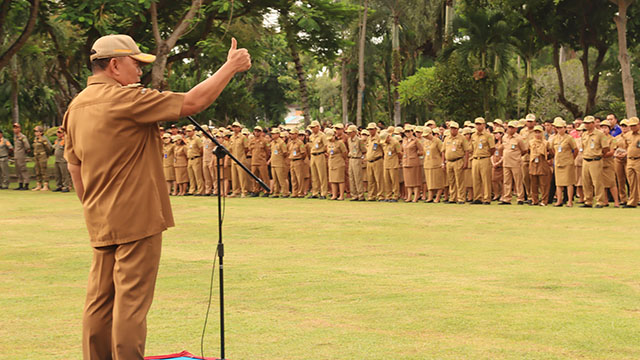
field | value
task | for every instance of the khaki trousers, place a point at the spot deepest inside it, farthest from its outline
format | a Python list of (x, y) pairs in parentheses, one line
[(4, 171), (40, 167), (21, 169), (297, 178), (238, 182), (621, 178), (375, 178), (262, 172), (540, 184), (455, 179), (194, 169), (207, 174), (592, 182), (356, 185), (526, 178), (481, 174), (119, 294), (512, 175), (280, 182), (497, 179), (633, 177), (63, 178), (392, 183), (319, 184)]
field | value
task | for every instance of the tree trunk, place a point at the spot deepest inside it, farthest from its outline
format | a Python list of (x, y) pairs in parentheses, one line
[(12, 50), (623, 56), (396, 73), (448, 20), (15, 109), (361, 84), (304, 97), (572, 107), (344, 92)]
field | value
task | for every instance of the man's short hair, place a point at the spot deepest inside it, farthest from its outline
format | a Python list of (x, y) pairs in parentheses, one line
[(99, 64)]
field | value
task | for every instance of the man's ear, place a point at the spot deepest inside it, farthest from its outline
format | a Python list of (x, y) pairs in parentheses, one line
[(113, 64)]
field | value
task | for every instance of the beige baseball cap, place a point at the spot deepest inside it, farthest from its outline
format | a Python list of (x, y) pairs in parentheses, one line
[(372, 126), (633, 121), (588, 119), (117, 46), (352, 128)]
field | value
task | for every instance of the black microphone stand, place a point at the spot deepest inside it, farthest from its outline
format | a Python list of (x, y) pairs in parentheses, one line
[(220, 152)]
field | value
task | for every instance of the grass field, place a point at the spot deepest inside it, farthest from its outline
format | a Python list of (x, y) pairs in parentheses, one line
[(313, 279)]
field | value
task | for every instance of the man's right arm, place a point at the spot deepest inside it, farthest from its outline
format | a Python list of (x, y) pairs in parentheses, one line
[(76, 176), (204, 94)]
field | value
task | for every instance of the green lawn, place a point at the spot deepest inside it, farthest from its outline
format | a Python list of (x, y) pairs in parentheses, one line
[(313, 279)]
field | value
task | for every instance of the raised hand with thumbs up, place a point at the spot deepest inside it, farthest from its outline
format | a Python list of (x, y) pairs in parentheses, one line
[(239, 58)]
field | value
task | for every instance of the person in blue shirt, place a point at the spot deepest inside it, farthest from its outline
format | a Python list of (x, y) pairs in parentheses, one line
[(615, 128)]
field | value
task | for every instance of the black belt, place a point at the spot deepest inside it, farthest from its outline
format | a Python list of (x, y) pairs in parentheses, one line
[(481, 157), (195, 157), (594, 159), (634, 158), (248, 157), (355, 157), (2, 157), (296, 159), (318, 153), (454, 160), (376, 159)]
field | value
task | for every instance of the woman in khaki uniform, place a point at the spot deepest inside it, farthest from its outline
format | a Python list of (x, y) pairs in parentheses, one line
[(608, 168), (180, 165), (392, 155), (497, 175), (167, 163), (411, 164), (468, 179), (433, 165), (337, 152), (539, 167), (307, 164), (566, 150), (578, 165)]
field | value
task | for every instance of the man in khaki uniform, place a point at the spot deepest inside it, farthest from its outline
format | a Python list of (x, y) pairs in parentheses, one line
[(483, 145), (279, 154), (357, 151), (392, 164), (41, 151), (207, 159), (513, 149), (126, 205), (260, 152), (297, 155), (63, 179), (527, 134), (319, 180), (375, 164), (632, 142), (456, 154), (594, 145), (620, 162), (5, 150), (238, 147), (194, 166), (21, 147)]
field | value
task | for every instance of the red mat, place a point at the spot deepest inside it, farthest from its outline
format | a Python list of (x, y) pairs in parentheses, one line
[(185, 355)]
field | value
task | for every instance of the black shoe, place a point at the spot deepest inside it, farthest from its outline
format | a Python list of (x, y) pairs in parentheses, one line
[(460, 202), (598, 206), (486, 203), (284, 196), (557, 205), (64, 190), (428, 201), (313, 197), (504, 203), (520, 202), (392, 200), (265, 195), (322, 197), (585, 206), (529, 202), (625, 206), (19, 187), (57, 189), (476, 202), (451, 202), (188, 194), (25, 187)]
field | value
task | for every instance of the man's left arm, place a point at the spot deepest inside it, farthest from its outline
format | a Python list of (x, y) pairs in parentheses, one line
[(76, 176)]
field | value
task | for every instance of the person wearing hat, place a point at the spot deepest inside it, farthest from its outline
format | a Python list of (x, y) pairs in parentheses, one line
[(456, 153), (260, 152), (620, 162), (497, 173), (411, 150), (419, 132), (168, 160), (318, 142), (467, 174), (434, 164), (238, 147), (566, 150), (194, 166), (540, 154), (126, 207), (375, 164), (392, 163), (297, 154), (21, 148), (513, 147), (632, 147), (5, 150), (207, 160), (594, 144), (578, 163), (279, 153), (180, 161), (357, 150), (41, 150), (527, 134), (337, 153), (483, 146), (608, 170), (63, 179)]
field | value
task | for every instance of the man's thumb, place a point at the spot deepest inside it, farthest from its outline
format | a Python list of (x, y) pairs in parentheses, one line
[(234, 44)]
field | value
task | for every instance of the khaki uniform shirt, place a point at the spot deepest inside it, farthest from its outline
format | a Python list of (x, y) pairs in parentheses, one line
[(433, 150), (632, 143), (374, 148), (194, 147), (539, 151), (592, 144), (42, 147), (512, 148), (411, 152), (318, 143), (297, 149), (58, 150), (207, 150), (239, 146), (482, 145), (180, 156), (279, 153), (5, 148), (607, 162), (337, 151), (168, 155), (455, 147), (259, 151), (526, 135), (21, 144), (125, 196), (392, 154), (564, 146), (357, 148)]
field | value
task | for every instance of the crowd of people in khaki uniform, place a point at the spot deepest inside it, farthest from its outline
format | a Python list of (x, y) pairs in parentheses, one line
[(591, 162), (42, 149)]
